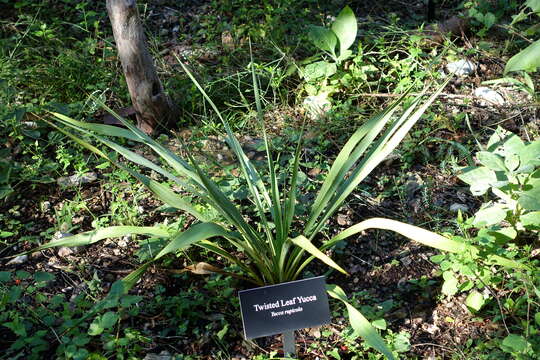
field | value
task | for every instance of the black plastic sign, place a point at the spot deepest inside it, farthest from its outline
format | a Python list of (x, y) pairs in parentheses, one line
[(294, 305)]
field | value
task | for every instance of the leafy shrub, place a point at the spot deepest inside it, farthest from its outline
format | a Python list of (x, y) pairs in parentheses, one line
[(507, 226)]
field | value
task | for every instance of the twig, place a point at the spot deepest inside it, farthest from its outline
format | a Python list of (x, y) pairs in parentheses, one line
[(432, 344)]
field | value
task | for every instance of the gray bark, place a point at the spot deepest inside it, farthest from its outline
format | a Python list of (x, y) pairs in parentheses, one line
[(152, 105)]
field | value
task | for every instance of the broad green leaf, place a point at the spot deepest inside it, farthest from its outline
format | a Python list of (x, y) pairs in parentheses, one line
[(489, 20), (530, 200), (450, 285), (323, 38), (490, 216), (95, 328), (492, 161), (537, 318), (534, 5), (5, 276), (345, 28), (308, 246), (344, 55), (530, 219), (43, 276), (472, 175), (516, 342), (475, 301), (360, 324), (511, 162), (108, 319), (504, 235), (529, 156), (527, 59), (379, 324), (479, 178), (319, 69)]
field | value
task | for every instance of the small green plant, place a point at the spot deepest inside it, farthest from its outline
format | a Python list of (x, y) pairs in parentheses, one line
[(334, 42), (508, 226), (509, 168), (527, 60)]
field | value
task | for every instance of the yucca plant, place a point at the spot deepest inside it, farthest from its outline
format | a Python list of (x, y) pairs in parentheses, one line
[(276, 249)]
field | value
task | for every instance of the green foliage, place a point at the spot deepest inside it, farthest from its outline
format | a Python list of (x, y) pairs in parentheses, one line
[(510, 169), (508, 226), (528, 58), (45, 325), (343, 33)]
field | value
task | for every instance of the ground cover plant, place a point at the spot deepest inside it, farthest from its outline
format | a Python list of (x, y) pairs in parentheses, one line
[(60, 57)]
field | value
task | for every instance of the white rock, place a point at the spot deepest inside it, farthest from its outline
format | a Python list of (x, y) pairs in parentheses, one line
[(493, 97), (21, 259), (462, 67), (164, 355), (77, 179), (406, 261), (65, 251), (459, 207), (317, 105)]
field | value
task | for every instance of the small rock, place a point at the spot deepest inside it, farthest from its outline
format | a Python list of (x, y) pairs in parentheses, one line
[(227, 40), (315, 332), (406, 261), (389, 159), (77, 179), (46, 206), (21, 259), (461, 67), (64, 251), (314, 172), (164, 355), (491, 96), (412, 185), (60, 235), (430, 328), (317, 105), (343, 219), (124, 241), (459, 207)]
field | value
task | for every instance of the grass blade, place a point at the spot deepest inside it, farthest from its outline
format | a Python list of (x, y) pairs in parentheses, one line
[(306, 245)]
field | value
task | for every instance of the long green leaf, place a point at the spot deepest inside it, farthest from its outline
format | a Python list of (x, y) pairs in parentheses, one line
[(194, 234), (383, 147), (253, 179), (422, 236), (305, 244), (345, 27), (351, 152), (412, 232), (162, 191), (90, 237), (360, 324)]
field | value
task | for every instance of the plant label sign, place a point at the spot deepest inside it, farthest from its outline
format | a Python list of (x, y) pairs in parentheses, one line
[(294, 305)]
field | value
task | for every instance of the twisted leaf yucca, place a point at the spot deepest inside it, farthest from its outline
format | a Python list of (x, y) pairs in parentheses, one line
[(277, 251)]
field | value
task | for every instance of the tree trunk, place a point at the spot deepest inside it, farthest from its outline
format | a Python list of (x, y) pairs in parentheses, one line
[(152, 105)]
